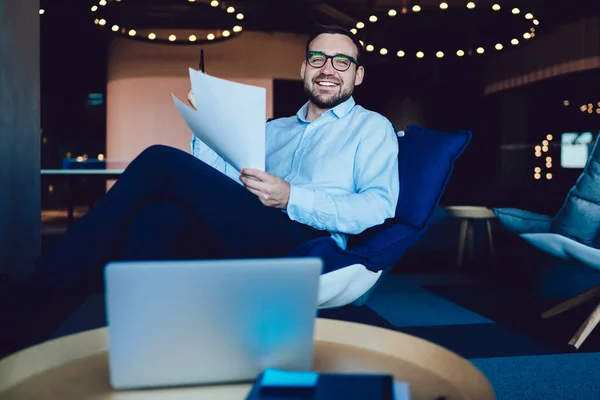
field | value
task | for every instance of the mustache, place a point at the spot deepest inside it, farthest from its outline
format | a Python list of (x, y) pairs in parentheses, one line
[(328, 78)]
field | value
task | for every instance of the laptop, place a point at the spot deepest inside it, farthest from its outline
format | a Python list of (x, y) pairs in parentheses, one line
[(176, 323)]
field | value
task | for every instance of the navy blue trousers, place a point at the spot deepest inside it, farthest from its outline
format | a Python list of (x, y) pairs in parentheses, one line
[(169, 205)]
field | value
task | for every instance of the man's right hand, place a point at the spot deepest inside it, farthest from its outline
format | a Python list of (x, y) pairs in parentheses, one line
[(192, 99)]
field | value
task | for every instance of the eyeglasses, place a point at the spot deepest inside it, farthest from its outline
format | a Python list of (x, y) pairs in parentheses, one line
[(340, 62)]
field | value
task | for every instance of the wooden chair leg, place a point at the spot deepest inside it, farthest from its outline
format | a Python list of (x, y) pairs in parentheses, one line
[(471, 239), (587, 328), (584, 297), (462, 240), (488, 224)]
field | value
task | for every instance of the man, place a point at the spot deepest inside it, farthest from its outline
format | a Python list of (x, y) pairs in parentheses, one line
[(330, 170), (346, 177)]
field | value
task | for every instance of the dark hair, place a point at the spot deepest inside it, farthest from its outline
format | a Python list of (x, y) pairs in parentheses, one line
[(335, 29)]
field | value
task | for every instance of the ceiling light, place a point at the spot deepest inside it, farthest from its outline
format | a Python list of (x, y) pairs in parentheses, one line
[(480, 50), (354, 30), (499, 46), (460, 53), (370, 47), (102, 22), (527, 35), (444, 6), (94, 8), (373, 18), (439, 54), (516, 11), (420, 54), (515, 41), (536, 22), (416, 8), (151, 36), (496, 7), (115, 28), (360, 25), (226, 33), (210, 36), (237, 28), (470, 5), (529, 16), (102, 2), (172, 38), (392, 13), (230, 10), (192, 38), (400, 53), (132, 32), (214, 3), (383, 51), (240, 16)]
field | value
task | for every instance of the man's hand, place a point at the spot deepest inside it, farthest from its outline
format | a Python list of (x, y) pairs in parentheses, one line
[(192, 99), (271, 190)]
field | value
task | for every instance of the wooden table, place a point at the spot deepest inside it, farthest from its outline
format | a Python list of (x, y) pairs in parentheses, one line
[(72, 175), (467, 214), (76, 367)]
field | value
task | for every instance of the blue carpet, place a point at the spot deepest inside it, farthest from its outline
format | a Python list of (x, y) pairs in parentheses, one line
[(560, 377), (403, 302)]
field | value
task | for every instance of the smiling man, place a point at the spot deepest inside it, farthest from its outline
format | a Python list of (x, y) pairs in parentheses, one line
[(332, 166), (331, 170)]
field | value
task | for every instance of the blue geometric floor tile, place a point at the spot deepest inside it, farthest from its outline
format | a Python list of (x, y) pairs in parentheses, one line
[(362, 315), (561, 377), (404, 303), (479, 340), (438, 279)]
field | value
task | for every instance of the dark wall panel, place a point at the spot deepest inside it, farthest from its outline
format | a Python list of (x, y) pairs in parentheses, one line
[(19, 135)]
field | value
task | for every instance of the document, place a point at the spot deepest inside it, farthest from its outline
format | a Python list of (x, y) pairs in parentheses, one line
[(230, 119)]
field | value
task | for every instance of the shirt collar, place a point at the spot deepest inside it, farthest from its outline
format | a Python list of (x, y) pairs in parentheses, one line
[(340, 111)]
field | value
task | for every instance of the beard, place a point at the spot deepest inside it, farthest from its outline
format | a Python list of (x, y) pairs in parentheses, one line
[(328, 100)]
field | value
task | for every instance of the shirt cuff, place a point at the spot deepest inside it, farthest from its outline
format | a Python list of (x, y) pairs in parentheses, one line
[(301, 199)]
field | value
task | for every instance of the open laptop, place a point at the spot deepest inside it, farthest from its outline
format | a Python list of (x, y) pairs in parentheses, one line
[(173, 323)]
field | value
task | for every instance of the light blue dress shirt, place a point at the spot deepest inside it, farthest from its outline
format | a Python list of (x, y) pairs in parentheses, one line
[(342, 167)]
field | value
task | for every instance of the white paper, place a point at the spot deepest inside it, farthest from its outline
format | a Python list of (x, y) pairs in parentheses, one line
[(229, 118)]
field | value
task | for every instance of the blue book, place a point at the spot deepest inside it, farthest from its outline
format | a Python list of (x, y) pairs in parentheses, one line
[(285, 385)]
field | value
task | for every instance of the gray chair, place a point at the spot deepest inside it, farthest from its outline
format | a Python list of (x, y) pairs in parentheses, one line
[(572, 234)]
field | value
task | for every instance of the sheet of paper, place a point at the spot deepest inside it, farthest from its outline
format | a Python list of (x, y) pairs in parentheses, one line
[(230, 119)]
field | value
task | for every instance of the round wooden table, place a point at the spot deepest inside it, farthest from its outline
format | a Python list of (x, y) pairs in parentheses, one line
[(76, 367)]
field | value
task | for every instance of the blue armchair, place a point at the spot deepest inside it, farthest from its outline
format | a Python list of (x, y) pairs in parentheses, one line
[(426, 162), (572, 234)]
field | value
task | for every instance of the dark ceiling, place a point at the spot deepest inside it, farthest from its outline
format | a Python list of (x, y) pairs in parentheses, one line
[(300, 15)]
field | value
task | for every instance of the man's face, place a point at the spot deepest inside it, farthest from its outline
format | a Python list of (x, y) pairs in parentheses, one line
[(327, 87)]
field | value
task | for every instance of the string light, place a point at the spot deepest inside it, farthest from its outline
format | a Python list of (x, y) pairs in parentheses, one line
[(171, 38), (538, 149), (443, 6)]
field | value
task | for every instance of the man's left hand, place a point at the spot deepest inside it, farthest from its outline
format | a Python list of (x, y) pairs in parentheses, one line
[(271, 190)]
